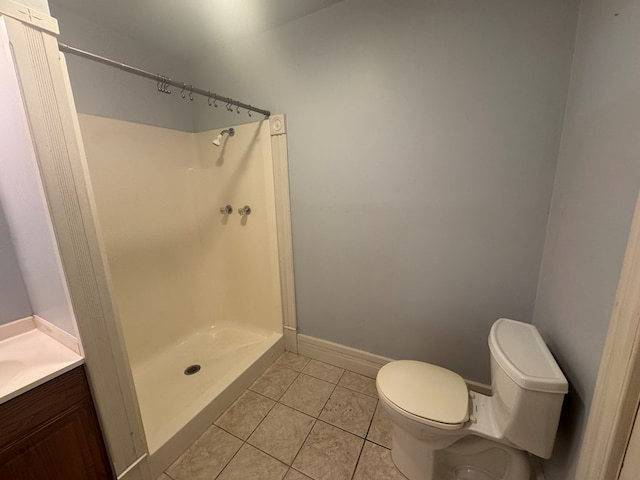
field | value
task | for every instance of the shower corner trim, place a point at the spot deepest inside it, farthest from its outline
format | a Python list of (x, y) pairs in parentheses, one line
[(277, 125), (48, 105)]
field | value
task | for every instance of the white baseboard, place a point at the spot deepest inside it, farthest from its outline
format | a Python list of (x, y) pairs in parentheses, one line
[(358, 361)]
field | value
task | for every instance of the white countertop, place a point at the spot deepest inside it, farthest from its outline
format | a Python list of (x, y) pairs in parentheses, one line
[(30, 357)]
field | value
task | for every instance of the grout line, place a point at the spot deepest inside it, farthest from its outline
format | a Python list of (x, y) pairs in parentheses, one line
[(355, 469), (371, 421), (353, 389), (376, 443), (289, 386), (291, 368), (300, 411), (321, 408), (254, 428), (344, 429), (314, 424), (365, 442), (232, 457), (303, 442), (340, 428), (288, 367), (269, 455)]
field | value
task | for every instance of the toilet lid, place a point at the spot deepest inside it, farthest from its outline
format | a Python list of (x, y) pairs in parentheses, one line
[(433, 393)]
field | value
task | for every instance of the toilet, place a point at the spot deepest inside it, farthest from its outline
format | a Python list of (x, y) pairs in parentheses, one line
[(441, 430)]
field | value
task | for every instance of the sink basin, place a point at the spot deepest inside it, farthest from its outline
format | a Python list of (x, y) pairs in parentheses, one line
[(30, 357), (9, 369)]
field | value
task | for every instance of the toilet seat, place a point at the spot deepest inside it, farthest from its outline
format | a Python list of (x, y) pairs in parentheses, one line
[(435, 395)]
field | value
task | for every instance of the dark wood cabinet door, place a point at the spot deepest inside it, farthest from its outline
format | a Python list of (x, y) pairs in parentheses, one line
[(66, 446)]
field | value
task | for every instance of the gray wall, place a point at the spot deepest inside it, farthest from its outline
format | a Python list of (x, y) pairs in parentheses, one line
[(109, 92), (423, 137), (14, 301), (595, 191)]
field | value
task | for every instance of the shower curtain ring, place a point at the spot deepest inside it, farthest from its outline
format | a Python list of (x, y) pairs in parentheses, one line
[(238, 110), (191, 92), (163, 84), (215, 102), (182, 91), (209, 98)]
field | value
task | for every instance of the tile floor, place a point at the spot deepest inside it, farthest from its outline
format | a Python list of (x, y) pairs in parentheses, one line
[(301, 420)]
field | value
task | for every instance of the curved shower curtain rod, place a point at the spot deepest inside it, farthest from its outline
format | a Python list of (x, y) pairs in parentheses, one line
[(163, 82)]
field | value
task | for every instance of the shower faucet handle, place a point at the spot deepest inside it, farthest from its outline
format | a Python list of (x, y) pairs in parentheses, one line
[(246, 210), (226, 210)]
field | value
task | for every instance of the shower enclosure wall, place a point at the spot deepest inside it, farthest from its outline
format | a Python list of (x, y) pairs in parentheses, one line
[(193, 284)]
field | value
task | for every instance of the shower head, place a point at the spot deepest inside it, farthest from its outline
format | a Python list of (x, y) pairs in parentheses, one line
[(229, 131)]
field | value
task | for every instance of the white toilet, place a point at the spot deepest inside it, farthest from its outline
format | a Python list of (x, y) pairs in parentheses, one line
[(443, 431)]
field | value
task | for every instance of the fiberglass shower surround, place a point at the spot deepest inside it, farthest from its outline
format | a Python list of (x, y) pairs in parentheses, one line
[(196, 284)]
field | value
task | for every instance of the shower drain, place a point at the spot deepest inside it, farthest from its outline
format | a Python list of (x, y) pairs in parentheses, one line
[(192, 369)]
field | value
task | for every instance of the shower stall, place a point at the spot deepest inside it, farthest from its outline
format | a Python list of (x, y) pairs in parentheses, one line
[(190, 232), (176, 251)]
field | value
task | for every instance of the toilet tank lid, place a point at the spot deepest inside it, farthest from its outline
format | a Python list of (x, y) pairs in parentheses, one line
[(521, 352)]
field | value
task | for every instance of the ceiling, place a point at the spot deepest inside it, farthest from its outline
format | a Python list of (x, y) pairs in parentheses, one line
[(185, 27)]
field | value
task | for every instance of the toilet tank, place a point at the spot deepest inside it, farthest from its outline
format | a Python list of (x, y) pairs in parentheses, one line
[(528, 386)]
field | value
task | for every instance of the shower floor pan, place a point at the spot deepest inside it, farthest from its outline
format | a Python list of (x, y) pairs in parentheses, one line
[(177, 405)]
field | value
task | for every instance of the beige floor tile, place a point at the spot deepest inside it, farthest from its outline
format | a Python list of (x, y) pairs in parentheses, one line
[(242, 418), (282, 433), (206, 457), (252, 464), (376, 464), (359, 383), (295, 475), (349, 410), (380, 431), (163, 477), (323, 371), (274, 382), (328, 453), (308, 394), (293, 361)]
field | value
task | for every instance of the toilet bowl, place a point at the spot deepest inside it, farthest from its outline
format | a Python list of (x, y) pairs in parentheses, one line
[(471, 473), (442, 430)]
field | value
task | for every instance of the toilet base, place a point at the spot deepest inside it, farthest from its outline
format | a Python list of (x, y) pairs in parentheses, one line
[(469, 458), (414, 458)]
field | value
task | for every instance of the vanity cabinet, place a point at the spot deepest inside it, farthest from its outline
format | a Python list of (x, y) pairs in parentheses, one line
[(52, 433)]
